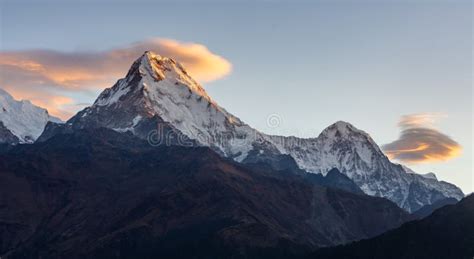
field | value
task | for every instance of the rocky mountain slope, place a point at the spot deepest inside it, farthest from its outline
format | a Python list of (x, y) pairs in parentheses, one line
[(429, 209), (98, 193), (447, 233), (21, 121), (356, 155), (159, 101)]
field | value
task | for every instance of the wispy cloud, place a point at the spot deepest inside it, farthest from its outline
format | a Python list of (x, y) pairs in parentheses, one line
[(42, 75), (421, 142)]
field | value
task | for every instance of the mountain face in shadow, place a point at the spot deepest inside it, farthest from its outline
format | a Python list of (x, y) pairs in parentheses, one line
[(285, 165), (429, 209), (102, 194), (335, 179), (447, 233)]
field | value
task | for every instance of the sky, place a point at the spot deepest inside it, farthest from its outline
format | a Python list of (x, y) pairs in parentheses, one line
[(399, 70)]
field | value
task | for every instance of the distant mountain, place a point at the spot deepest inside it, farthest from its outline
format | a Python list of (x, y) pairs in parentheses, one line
[(97, 193), (356, 155), (447, 233), (21, 121), (159, 101)]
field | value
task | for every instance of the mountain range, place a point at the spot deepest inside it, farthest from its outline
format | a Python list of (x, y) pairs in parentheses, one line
[(159, 101), (155, 168), (98, 193)]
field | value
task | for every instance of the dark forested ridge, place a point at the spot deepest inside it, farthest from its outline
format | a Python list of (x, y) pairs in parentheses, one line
[(447, 233), (102, 194)]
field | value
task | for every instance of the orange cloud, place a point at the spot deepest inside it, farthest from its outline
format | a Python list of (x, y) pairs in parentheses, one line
[(420, 142), (420, 120), (197, 59), (39, 74)]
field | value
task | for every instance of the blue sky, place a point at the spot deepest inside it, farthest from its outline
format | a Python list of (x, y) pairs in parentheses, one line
[(310, 63)]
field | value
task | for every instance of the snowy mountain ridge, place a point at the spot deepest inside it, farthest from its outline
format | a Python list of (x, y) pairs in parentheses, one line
[(159, 86), (356, 155), (21, 121), (158, 91)]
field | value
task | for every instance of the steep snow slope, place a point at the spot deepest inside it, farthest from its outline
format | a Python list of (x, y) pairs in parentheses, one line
[(159, 87), (159, 99), (22, 119)]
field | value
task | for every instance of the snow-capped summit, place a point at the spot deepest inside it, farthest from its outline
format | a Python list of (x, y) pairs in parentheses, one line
[(344, 130), (151, 67), (339, 145), (158, 90), (21, 121), (341, 129), (159, 101), (342, 137)]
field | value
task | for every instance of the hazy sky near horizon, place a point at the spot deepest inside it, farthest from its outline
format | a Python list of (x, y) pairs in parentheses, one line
[(308, 63)]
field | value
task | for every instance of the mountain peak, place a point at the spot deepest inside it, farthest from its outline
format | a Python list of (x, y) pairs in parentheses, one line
[(154, 65), (342, 126), (157, 86), (21, 119), (158, 62), (151, 55), (152, 75), (342, 129), (162, 68)]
